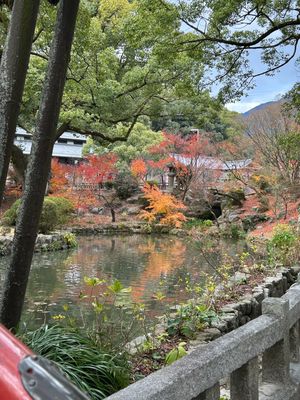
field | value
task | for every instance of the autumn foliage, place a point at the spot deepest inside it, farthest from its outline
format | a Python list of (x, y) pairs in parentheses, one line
[(163, 207), (138, 168), (83, 183)]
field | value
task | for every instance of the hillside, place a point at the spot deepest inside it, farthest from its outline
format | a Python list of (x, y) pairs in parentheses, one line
[(259, 107)]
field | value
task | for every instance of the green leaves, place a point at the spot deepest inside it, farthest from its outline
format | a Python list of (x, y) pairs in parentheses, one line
[(176, 353), (93, 281)]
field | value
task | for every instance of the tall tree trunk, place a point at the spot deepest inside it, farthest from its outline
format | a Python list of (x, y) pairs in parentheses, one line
[(13, 68), (39, 165)]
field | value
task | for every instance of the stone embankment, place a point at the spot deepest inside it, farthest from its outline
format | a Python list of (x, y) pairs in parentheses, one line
[(51, 242), (126, 228), (234, 315)]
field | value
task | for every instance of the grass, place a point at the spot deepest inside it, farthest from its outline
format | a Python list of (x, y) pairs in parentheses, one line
[(95, 372)]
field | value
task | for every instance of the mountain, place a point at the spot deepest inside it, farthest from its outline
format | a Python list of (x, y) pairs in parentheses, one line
[(260, 107)]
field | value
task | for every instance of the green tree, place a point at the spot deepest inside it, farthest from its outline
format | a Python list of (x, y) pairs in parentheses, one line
[(141, 139), (116, 75), (227, 31)]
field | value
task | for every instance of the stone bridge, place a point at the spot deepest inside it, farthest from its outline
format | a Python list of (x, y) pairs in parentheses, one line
[(261, 358)]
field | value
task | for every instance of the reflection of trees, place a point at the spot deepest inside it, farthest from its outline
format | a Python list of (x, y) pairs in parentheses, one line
[(138, 261), (162, 258)]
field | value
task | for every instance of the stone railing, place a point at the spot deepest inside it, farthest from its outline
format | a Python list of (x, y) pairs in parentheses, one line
[(261, 358)]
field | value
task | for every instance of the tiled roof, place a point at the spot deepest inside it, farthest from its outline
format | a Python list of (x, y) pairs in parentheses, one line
[(66, 150), (214, 163)]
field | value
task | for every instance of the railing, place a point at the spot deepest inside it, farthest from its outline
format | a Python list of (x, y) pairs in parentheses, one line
[(270, 341)]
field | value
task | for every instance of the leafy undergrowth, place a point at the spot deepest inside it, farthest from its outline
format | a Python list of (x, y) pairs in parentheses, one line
[(144, 363), (153, 358)]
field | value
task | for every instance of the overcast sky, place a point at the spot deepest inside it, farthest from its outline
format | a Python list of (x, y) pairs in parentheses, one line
[(268, 88)]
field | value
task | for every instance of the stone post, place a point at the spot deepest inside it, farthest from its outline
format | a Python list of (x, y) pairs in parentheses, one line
[(210, 394), (294, 342), (171, 181), (276, 360), (244, 381)]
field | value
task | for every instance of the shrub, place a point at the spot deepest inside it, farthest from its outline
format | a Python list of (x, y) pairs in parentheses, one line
[(49, 217), (283, 237), (263, 204), (237, 196), (10, 216), (233, 231), (70, 240), (56, 211), (282, 245), (94, 371), (198, 223), (65, 208), (125, 185)]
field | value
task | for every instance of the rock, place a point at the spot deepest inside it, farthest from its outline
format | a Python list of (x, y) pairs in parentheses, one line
[(239, 277), (295, 269), (228, 309), (97, 210), (233, 217), (231, 321), (258, 295), (208, 335), (133, 210), (136, 344)]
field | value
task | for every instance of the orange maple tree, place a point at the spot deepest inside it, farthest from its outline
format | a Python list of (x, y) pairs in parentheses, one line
[(138, 169), (163, 207)]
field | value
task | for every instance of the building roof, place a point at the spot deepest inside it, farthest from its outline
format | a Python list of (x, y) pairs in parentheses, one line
[(66, 135), (214, 163), (73, 136), (65, 150)]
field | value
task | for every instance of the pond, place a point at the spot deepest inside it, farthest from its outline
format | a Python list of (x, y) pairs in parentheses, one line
[(153, 266)]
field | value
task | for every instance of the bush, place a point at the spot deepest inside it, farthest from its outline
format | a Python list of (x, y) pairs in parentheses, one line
[(56, 211), (94, 371), (198, 223), (125, 185), (282, 246), (237, 196), (10, 216), (49, 217), (65, 208), (283, 237), (233, 231), (263, 204)]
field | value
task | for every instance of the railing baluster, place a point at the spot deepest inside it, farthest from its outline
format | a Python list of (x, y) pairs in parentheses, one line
[(276, 359), (210, 394), (244, 381), (294, 342)]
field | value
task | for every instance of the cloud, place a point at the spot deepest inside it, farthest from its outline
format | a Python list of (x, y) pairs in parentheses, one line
[(242, 107)]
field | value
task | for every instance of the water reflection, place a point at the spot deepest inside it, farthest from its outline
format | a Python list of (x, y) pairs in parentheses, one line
[(145, 263)]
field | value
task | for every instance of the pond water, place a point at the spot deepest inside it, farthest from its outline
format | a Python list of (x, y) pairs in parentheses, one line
[(147, 264)]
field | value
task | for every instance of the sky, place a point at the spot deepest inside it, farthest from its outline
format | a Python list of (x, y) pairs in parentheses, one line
[(268, 88)]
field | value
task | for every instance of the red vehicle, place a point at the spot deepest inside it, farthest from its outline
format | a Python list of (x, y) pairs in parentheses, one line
[(26, 376)]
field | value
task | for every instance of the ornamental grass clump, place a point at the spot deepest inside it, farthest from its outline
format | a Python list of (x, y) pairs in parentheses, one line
[(94, 371)]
